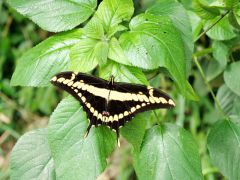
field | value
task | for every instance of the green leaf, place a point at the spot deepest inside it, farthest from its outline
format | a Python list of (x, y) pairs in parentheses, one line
[(86, 54), (176, 12), (55, 16), (204, 10), (37, 66), (116, 52), (150, 44), (231, 3), (231, 77), (74, 156), (168, 152), (31, 157), (94, 29), (123, 73), (224, 147), (196, 23), (228, 101), (191, 93), (233, 20), (221, 31), (134, 130), (220, 53), (235, 16), (113, 12), (213, 69)]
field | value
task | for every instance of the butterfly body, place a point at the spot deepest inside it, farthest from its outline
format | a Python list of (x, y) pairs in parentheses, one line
[(110, 103)]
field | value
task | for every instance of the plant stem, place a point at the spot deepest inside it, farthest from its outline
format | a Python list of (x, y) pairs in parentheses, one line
[(210, 27), (203, 52), (208, 85), (155, 114)]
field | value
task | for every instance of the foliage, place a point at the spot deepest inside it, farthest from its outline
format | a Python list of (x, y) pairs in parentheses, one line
[(147, 42)]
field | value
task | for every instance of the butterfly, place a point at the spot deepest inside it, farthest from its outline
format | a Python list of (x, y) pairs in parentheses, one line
[(110, 103)]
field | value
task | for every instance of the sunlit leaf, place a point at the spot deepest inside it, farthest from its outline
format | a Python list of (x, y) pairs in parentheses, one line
[(176, 12), (116, 52), (87, 53), (123, 73), (70, 151), (168, 152), (37, 66), (150, 44), (113, 12), (31, 157), (134, 130), (55, 15)]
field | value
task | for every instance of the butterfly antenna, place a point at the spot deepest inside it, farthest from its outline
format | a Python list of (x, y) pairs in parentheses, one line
[(87, 131)]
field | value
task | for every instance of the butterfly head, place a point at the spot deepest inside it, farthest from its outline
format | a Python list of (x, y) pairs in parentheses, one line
[(111, 80)]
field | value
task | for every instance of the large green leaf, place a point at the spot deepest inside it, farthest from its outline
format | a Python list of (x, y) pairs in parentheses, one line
[(94, 29), (54, 15), (134, 130), (37, 66), (31, 157), (231, 77), (168, 152), (86, 54), (74, 156), (180, 20), (221, 31), (113, 12), (224, 148), (154, 41), (123, 73), (116, 52)]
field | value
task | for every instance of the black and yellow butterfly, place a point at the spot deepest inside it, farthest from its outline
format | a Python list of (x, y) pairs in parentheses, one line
[(110, 103)]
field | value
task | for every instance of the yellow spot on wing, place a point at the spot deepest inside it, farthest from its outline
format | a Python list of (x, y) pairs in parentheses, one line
[(83, 99), (170, 101), (88, 105), (115, 118), (151, 99), (133, 109), (163, 100), (120, 116), (138, 106), (61, 79), (126, 113), (54, 78), (91, 109), (110, 118), (95, 113), (134, 97)]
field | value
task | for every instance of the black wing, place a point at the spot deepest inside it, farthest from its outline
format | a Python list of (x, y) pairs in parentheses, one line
[(78, 84), (110, 104), (126, 100)]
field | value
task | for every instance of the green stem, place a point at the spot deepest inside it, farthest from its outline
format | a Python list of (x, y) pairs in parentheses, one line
[(210, 27), (208, 85), (155, 114), (203, 52)]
